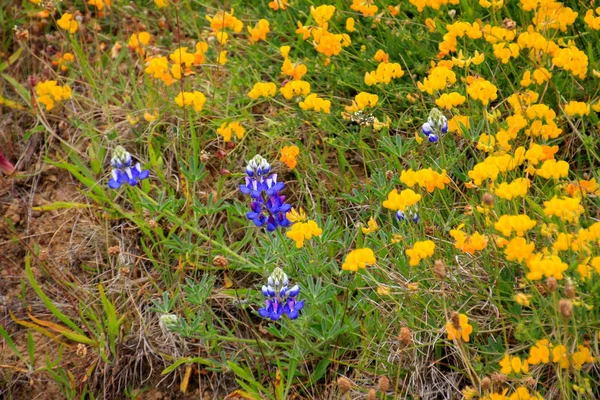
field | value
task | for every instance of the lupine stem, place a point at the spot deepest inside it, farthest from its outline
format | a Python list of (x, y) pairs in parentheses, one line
[(220, 246)]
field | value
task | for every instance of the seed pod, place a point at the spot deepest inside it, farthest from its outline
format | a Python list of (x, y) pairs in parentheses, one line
[(344, 384)]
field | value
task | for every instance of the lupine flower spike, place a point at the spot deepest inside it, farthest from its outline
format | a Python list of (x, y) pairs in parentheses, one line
[(436, 125), (268, 207), (5, 165), (123, 172), (280, 299)]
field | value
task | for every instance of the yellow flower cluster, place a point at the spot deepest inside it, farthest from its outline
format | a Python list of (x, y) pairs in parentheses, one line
[(225, 20), (567, 209), (545, 266), (366, 7), (314, 102), (592, 19), (553, 169), (420, 251), (482, 90), (361, 101), (325, 42), (302, 231), (49, 92), (359, 258), (571, 59), (259, 31), (458, 30), (516, 188), (577, 108), (288, 156), (439, 78), (450, 100), (195, 99), (539, 76), (138, 41), (384, 73), (182, 62), (68, 23), (425, 178), (468, 243), (227, 129), (513, 365), (401, 201), (520, 224), (295, 88), (458, 327), (262, 89)]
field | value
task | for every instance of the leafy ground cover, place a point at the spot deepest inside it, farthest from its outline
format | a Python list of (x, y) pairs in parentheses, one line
[(300, 199)]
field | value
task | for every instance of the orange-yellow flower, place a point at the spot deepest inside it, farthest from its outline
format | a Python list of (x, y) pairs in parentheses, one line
[(458, 327), (288, 156)]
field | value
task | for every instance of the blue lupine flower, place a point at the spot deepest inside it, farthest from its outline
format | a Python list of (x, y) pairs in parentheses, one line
[(280, 300), (268, 206), (123, 172), (401, 216), (436, 125)]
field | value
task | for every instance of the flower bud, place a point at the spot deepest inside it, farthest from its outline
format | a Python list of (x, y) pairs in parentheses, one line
[(488, 199), (570, 289), (384, 384), (372, 395), (486, 384), (220, 261), (439, 270), (344, 384), (455, 319), (565, 306), (551, 284), (405, 336), (498, 379)]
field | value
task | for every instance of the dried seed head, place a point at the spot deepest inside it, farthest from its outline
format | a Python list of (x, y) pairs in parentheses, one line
[(509, 24), (570, 289), (488, 199), (220, 261), (439, 270), (455, 319), (566, 308), (372, 395), (486, 384), (498, 379), (113, 250), (405, 336), (81, 350), (151, 223), (389, 175), (531, 382), (344, 384), (551, 284), (384, 384)]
